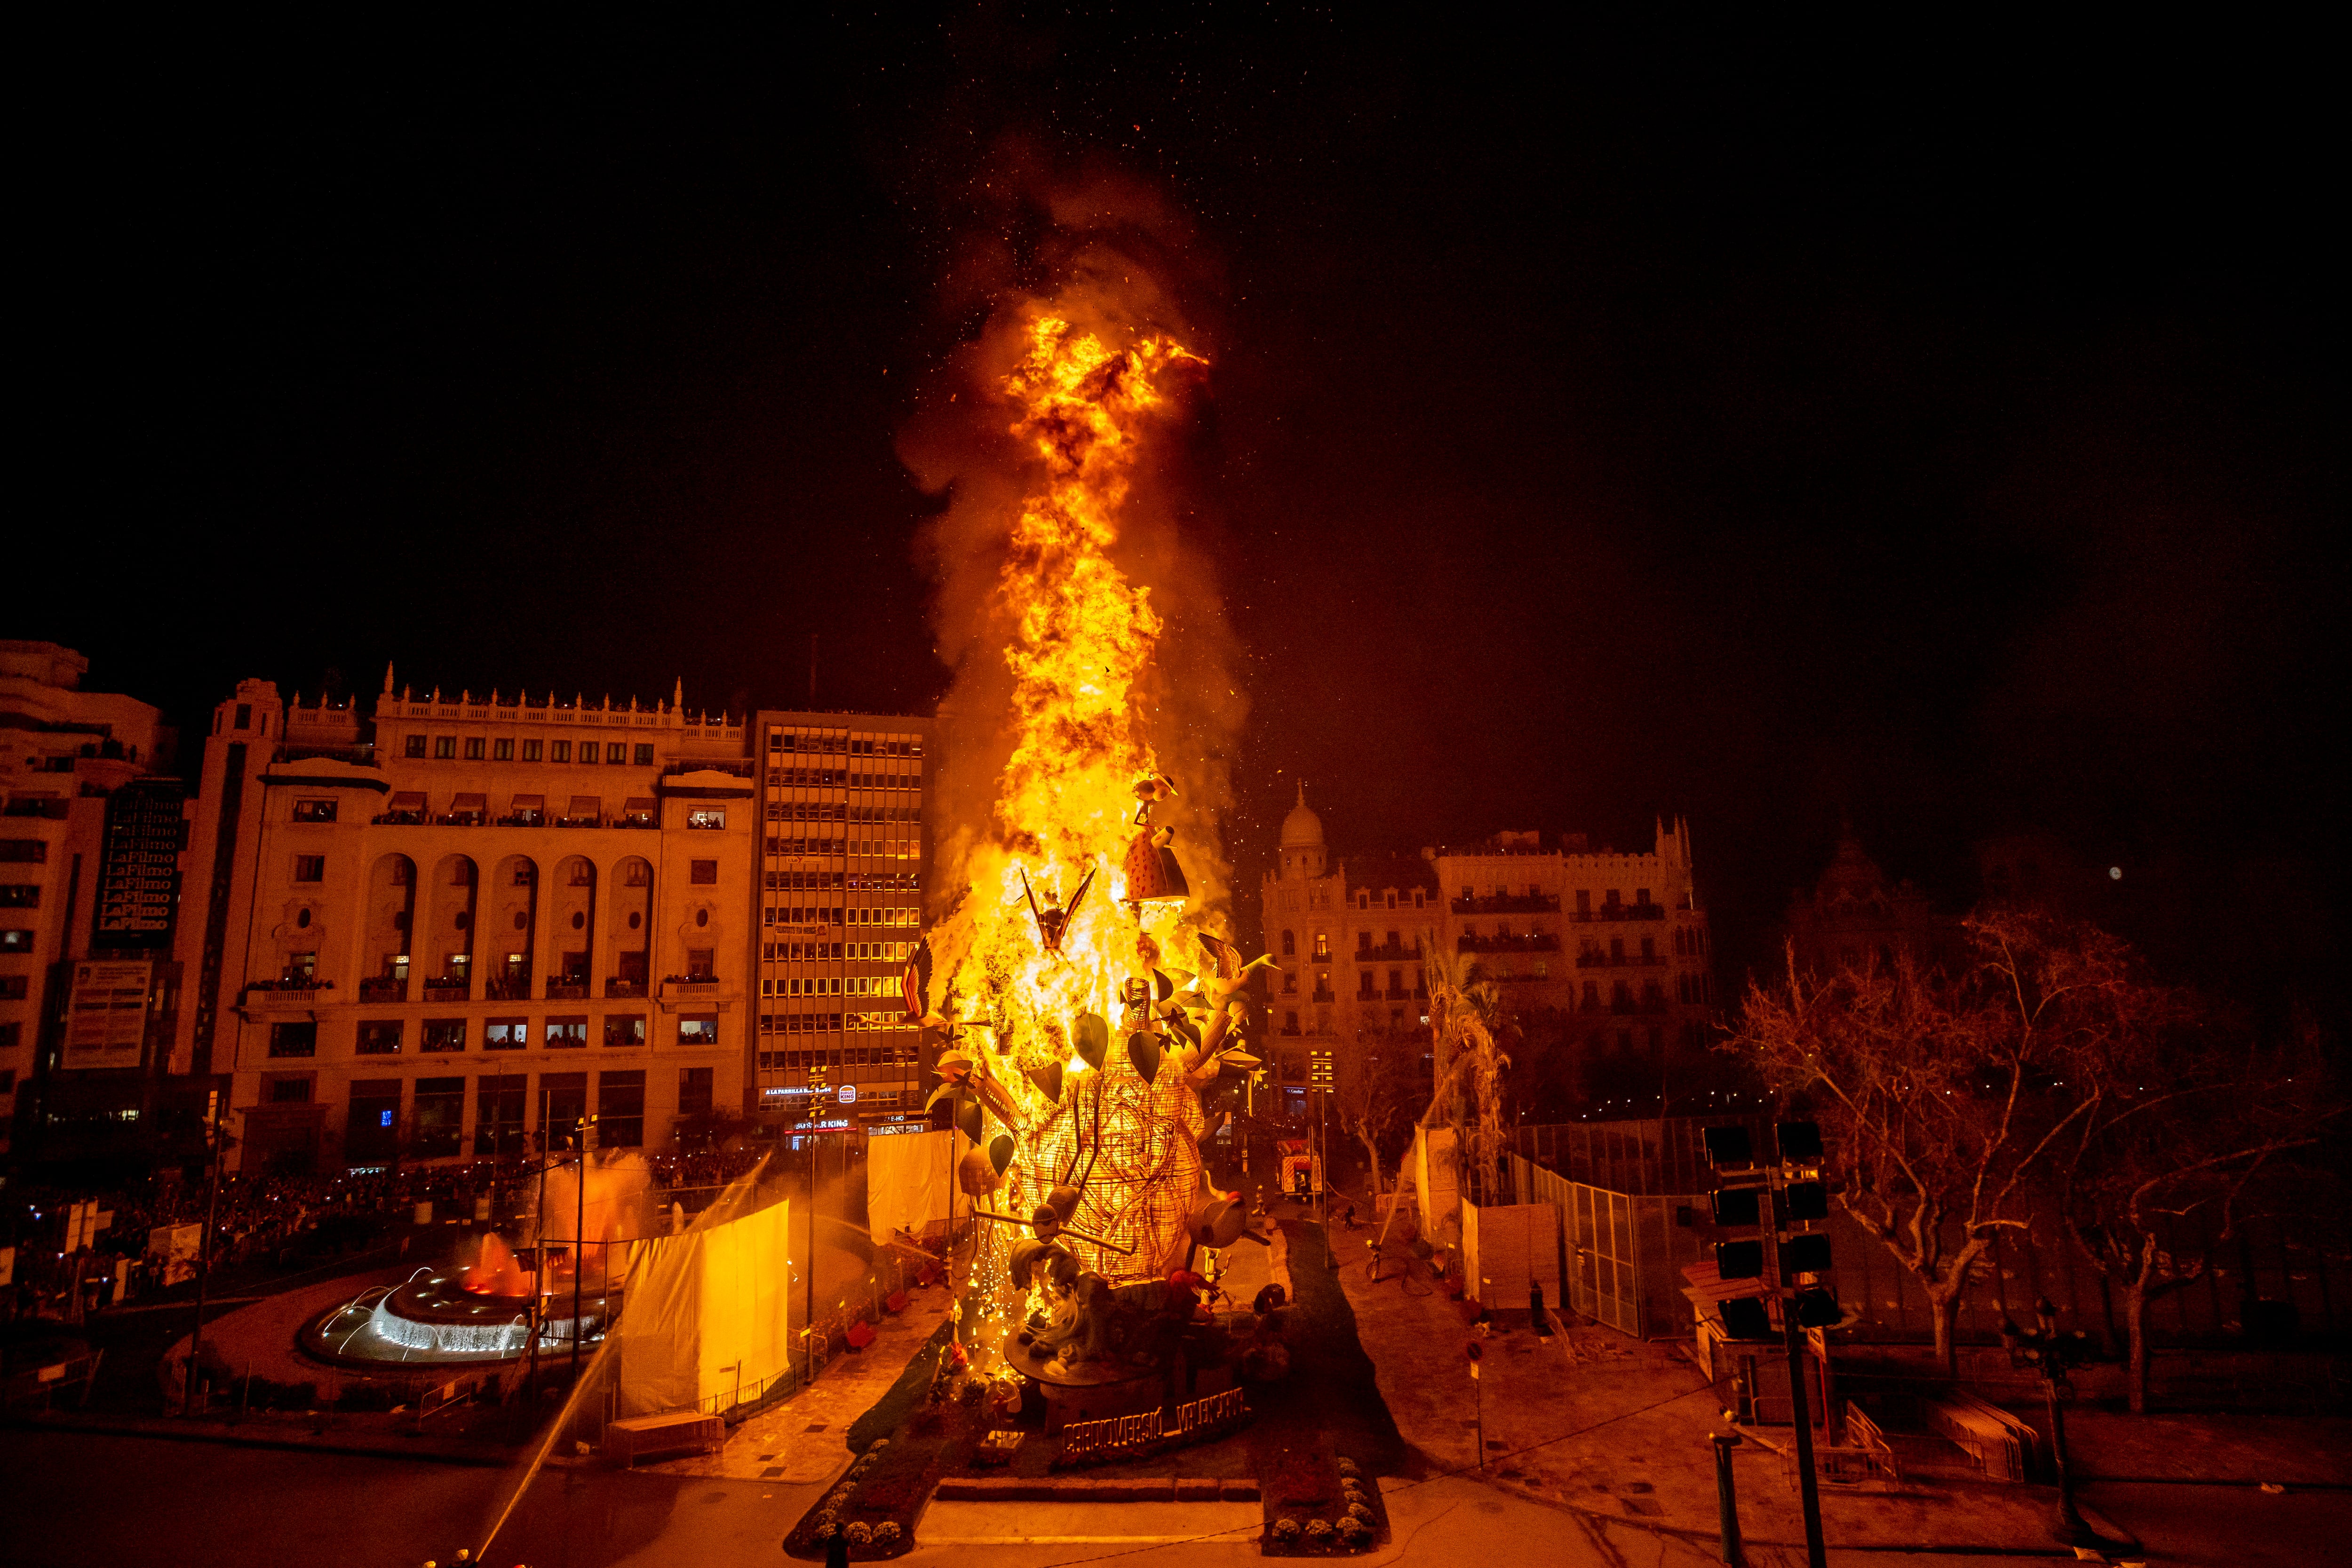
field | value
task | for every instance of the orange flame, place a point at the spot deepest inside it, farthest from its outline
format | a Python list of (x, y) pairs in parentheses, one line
[(1081, 643)]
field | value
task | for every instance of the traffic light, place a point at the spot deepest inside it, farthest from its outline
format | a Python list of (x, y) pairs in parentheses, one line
[(1800, 1142), (1747, 1317), (1737, 1206), (1804, 1200), (1729, 1147), (1817, 1308), (1805, 1254), (1740, 1259)]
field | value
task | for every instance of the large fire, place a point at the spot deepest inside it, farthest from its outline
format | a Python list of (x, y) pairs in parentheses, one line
[(1070, 900)]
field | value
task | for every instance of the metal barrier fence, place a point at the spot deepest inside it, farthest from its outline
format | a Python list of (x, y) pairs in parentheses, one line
[(1642, 1213)]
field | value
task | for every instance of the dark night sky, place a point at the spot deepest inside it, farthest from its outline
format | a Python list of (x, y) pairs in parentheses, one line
[(1754, 427)]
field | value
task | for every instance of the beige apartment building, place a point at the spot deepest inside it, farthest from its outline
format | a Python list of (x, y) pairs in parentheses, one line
[(1346, 940), (1615, 943), (420, 932), (90, 852), (1618, 940)]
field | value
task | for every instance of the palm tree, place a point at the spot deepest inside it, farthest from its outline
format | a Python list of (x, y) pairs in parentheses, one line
[(1465, 1024)]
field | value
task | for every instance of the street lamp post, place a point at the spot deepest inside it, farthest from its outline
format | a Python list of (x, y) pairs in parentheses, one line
[(579, 1241), (204, 1252), (2054, 1355)]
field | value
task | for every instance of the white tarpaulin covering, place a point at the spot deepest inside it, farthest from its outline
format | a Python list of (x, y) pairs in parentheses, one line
[(704, 1323), (908, 1178), (1432, 1177)]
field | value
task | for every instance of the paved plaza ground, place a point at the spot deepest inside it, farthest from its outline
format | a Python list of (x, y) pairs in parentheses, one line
[(1595, 1453)]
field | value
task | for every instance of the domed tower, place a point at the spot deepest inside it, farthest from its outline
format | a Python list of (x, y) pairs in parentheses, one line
[(1303, 854)]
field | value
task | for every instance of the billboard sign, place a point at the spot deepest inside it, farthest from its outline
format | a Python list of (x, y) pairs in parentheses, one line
[(106, 1021), (139, 870)]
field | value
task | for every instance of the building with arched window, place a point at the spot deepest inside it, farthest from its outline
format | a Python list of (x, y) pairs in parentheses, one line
[(427, 933)]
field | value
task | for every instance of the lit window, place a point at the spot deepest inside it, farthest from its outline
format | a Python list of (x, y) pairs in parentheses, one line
[(502, 751), (474, 744), (531, 751), (560, 751), (707, 817), (616, 751), (444, 746)]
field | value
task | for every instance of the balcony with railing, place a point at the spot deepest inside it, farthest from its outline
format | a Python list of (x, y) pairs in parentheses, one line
[(286, 995), (507, 988), (359, 756), (383, 989), (1614, 911), (1508, 903), (1326, 996), (701, 988), (1389, 953), (449, 988), (1620, 960), (616, 989), (568, 989), (1532, 942)]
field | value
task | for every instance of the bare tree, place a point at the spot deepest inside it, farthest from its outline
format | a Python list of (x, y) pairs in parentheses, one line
[(1376, 1096), (2185, 1140), (1942, 1092)]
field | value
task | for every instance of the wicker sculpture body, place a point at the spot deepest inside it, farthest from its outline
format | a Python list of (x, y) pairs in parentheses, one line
[(1133, 1150)]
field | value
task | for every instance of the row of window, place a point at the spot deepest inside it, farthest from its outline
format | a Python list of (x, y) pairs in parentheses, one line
[(803, 743), (25, 852), (385, 1037), (831, 986), (463, 873), (436, 1127), (839, 882), (20, 895), (839, 811), (481, 749), (826, 952), (834, 1023), (831, 849), (839, 1056), (840, 778)]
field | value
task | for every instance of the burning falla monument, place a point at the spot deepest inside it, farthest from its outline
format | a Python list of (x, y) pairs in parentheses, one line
[(1093, 1017)]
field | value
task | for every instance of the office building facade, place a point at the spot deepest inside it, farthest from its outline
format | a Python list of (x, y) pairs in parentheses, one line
[(844, 844), (90, 861)]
